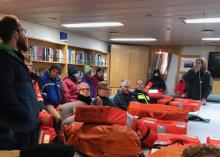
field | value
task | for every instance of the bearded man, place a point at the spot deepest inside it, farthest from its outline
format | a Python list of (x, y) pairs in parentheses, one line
[(18, 103)]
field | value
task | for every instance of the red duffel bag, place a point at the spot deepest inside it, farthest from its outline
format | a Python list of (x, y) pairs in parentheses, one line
[(153, 93), (212, 140), (165, 100), (46, 119), (165, 126), (103, 140), (157, 111)]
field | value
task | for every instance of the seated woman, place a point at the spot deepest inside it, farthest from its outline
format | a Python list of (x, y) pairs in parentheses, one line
[(83, 97), (157, 81), (102, 98)]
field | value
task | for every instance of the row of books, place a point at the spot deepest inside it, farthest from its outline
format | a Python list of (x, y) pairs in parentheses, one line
[(40, 53), (81, 57)]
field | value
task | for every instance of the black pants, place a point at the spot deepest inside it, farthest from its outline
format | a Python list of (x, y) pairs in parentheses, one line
[(26, 138)]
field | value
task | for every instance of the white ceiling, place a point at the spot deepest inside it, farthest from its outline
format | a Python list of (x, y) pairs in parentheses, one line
[(160, 19)]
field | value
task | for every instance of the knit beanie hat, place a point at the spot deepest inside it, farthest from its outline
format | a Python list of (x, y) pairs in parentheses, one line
[(55, 66), (102, 85), (99, 69), (82, 84), (87, 69), (72, 70)]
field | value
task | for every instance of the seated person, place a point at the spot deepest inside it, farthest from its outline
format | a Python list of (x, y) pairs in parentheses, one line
[(124, 95), (88, 77), (35, 80), (102, 98), (83, 97), (139, 93), (50, 85), (70, 85), (201, 150), (157, 81)]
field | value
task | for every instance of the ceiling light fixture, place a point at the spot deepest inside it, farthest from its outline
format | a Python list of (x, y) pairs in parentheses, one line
[(133, 39), (203, 20), (211, 39), (93, 24)]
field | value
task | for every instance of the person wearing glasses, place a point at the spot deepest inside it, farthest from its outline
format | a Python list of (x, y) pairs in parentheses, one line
[(198, 81), (18, 102), (102, 98), (83, 97)]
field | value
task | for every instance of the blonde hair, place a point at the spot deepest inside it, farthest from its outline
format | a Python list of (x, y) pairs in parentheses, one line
[(203, 62)]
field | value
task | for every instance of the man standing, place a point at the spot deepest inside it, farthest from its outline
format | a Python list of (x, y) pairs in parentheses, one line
[(18, 103)]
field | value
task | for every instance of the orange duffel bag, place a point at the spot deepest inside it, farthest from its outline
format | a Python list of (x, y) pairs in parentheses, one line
[(112, 115), (189, 104), (157, 111), (212, 140), (103, 140), (100, 114), (165, 126), (170, 139)]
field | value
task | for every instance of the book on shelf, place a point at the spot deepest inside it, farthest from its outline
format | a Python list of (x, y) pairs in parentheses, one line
[(39, 53)]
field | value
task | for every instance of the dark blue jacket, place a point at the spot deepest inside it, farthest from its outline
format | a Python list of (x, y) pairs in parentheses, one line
[(51, 89), (195, 81), (18, 103)]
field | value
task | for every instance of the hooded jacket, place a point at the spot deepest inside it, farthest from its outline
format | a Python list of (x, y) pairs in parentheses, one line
[(69, 90)]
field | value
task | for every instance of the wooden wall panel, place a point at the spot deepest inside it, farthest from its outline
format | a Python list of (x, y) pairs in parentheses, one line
[(128, 62), (139, 58), (119, 67), (216, 85)]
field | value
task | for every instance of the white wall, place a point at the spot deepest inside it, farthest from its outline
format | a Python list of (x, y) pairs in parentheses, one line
[(51, 34), (198, 50)]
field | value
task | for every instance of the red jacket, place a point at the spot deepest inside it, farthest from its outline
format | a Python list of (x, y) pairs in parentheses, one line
[(69, 90)]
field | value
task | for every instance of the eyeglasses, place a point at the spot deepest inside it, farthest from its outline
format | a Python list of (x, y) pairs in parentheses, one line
[(198, 63), (84, 89)]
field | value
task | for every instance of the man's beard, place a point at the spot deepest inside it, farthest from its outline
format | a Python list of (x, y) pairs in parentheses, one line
[(22, 45)]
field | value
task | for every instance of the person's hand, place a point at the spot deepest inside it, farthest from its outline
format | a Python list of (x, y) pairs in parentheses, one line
[(98, 101), (204, 101)]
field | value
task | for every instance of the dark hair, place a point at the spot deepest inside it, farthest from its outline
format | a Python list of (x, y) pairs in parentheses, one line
[(157, 71), (8, 24), (201, 150)]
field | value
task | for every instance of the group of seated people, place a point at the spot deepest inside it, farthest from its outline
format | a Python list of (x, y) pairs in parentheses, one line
[(91, 89)]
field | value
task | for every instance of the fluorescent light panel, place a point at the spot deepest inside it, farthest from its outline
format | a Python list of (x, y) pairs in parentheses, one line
[(203, 20), (211, 39), (133, 39), (93, 24)]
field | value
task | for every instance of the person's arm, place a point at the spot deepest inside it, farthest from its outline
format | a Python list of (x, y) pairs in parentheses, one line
[(189, 77), (66, 91), (208, 85), (10, 102), (163, 85)]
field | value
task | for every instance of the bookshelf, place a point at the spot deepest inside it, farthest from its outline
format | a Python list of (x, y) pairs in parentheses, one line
[(44, 53)]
